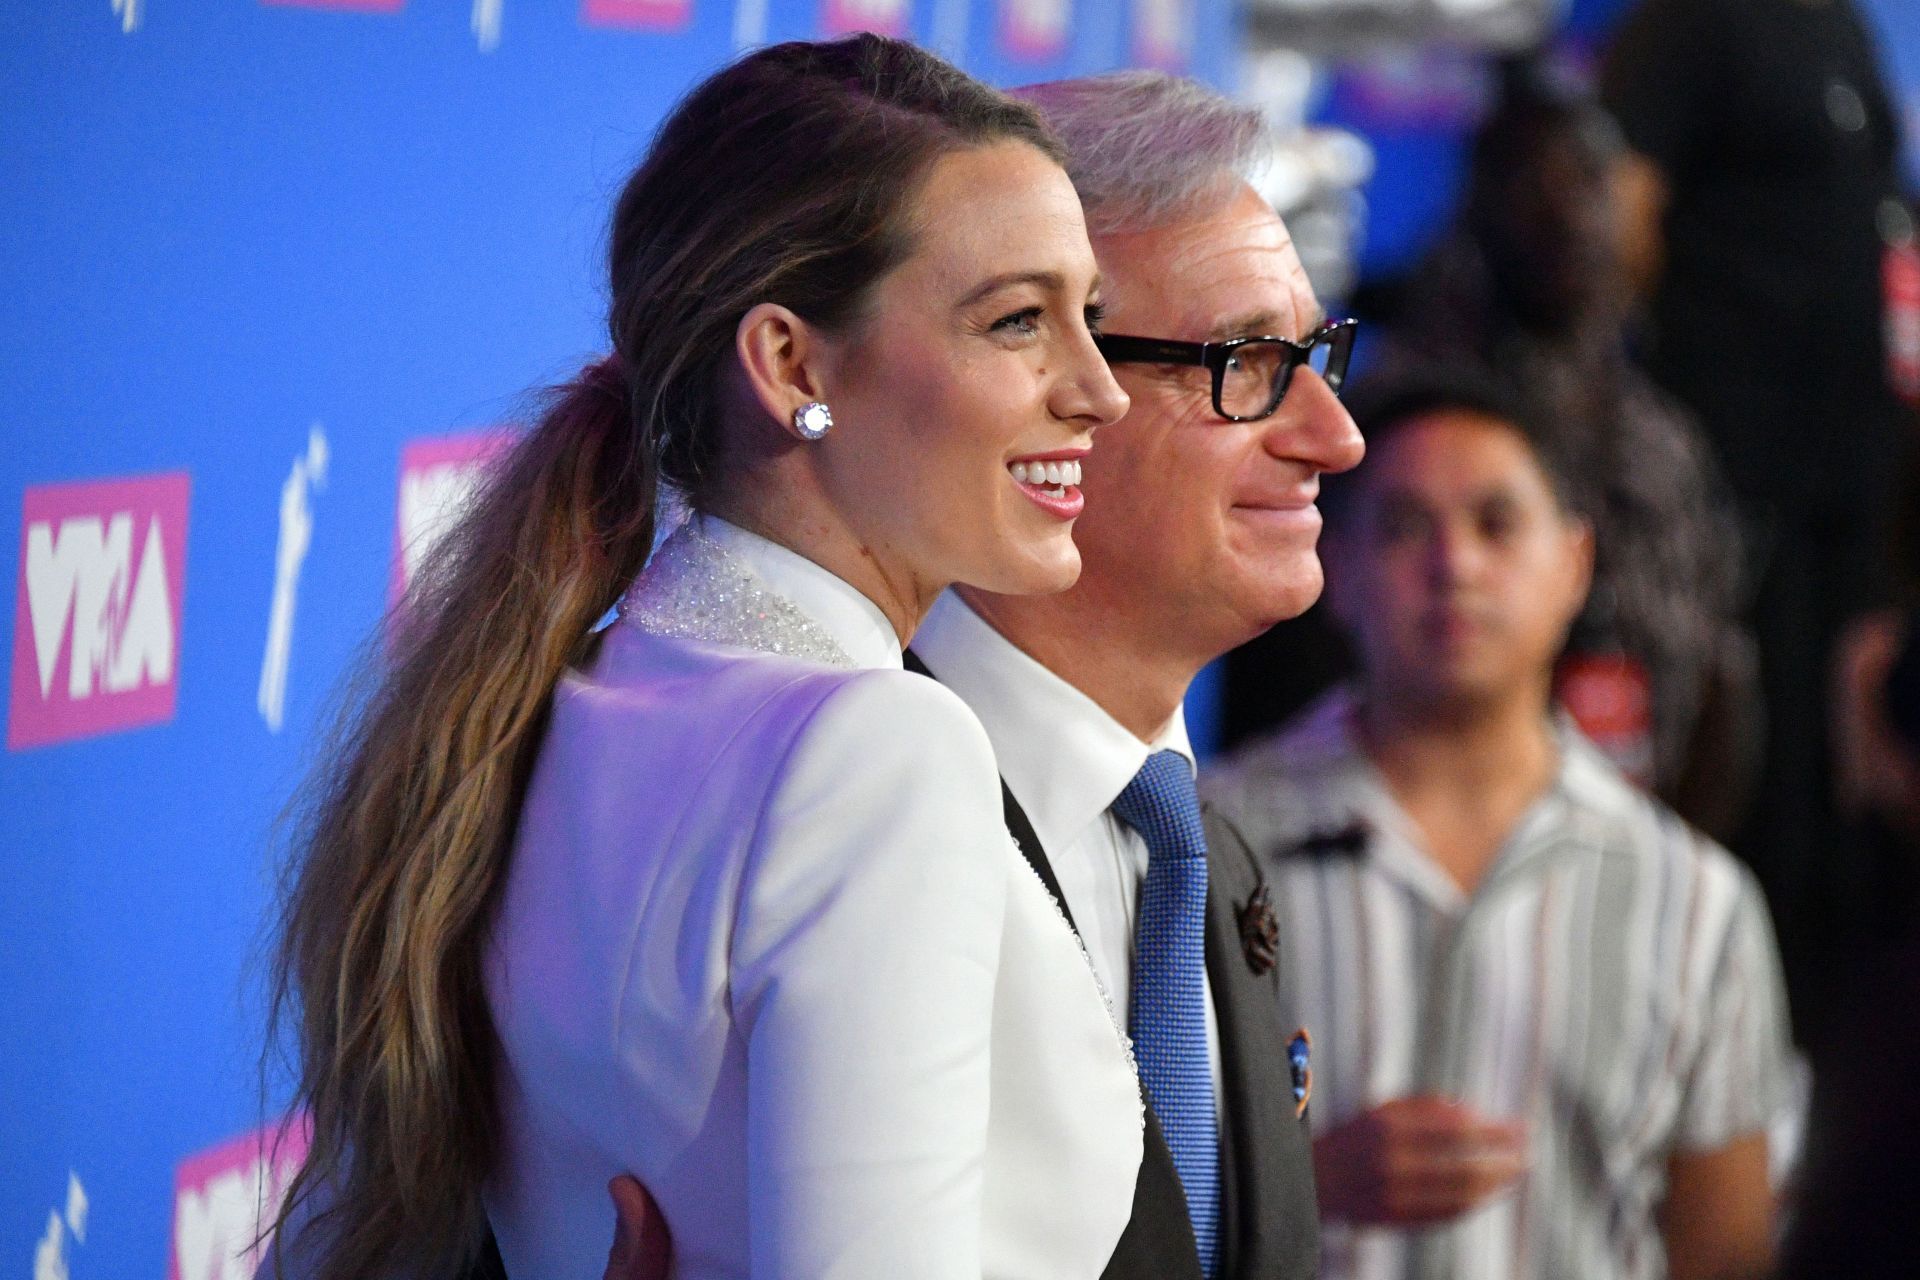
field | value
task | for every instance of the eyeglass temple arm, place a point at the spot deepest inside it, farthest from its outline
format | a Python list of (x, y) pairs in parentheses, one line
[(1121, 346)]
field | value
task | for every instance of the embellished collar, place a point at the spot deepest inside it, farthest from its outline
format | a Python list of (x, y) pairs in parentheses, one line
[(715, 582)]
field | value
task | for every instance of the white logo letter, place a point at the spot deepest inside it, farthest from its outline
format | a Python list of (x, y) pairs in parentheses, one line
[(82, 573), (144, 645), (296, 536)]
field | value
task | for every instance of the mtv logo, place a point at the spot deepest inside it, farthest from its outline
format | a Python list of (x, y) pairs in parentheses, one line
[(224, 1195), (1162, 33), (658, 15), (882, 17), (438, 477), (1035, 28), (96, 633)]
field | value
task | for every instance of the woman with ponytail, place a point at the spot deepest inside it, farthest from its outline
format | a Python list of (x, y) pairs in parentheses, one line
[(719, 894)]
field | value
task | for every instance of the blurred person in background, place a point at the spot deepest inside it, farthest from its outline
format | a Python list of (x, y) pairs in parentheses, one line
[(1756, 213), (1530, 285), (1547, 1022), (1860, 1177)]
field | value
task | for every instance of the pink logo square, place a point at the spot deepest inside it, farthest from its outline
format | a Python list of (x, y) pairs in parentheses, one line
[(96, 617), (1035, 29), (882, 17), (438, 477), (224, 1195), (657, 15), (1162, 33), (355, 6)]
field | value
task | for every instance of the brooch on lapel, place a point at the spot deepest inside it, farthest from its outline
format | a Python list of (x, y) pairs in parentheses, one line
[(1300, 1063), (1259, 930), (1349, 841)]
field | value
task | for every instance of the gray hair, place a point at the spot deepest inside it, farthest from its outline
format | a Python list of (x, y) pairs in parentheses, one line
[(1145, 148)]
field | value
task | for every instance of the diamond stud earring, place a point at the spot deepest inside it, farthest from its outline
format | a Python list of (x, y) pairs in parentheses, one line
[(812, 420)]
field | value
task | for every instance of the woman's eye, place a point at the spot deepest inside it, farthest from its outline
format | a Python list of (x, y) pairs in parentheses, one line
[(1025, 322), (1096, 317)]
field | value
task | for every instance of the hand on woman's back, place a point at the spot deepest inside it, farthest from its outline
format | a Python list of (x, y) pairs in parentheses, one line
[(642, 1249)]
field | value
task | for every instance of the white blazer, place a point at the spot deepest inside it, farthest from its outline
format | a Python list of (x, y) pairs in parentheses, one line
[(766, 943)]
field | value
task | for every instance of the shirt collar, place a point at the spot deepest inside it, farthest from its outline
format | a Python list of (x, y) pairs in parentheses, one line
[(854, 622), (1064, 758), (1584, 784)]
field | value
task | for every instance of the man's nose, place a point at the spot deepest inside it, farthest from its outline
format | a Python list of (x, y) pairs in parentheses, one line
[(1312, 426), (1453, 556)]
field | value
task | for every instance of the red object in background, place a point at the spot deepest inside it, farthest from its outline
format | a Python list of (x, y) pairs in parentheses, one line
[(1900, 283), (1610, 696)]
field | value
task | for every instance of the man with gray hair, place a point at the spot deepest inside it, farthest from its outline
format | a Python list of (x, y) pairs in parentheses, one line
[(1199, 533)]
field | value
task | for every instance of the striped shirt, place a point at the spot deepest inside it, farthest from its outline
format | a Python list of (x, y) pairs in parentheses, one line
[(1612, 981)]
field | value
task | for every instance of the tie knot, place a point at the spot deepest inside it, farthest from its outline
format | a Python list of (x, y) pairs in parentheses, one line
[(1163, 806)]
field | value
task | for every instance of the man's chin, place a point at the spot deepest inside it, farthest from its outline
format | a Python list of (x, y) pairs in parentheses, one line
[(1284, 597)]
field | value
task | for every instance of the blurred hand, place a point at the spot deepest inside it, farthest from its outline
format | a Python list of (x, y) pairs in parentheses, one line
[(641, 1249), (1874, 772), (1415, 1161)]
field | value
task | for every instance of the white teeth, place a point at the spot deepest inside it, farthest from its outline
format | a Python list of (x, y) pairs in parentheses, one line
[(1052, 474)]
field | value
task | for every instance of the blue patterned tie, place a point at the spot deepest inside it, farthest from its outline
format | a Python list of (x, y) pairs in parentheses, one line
[(1168, 1004)]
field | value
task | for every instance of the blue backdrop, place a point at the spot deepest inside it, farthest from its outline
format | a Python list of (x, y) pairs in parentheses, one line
[(254, 258)]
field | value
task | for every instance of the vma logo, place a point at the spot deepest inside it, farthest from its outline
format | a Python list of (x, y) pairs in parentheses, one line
[(1162, 33), (1035, 28), (96, 635), (437, 479), (222, 1197), (665, 15), (882, 17)]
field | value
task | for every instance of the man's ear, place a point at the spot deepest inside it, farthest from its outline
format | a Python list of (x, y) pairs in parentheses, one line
[(1580, 551), (784, 361)]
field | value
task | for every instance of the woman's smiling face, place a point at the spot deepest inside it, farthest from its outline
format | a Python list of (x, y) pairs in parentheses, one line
[(965, 395)]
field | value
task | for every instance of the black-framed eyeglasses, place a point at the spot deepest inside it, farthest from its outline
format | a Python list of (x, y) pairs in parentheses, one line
[(1250, 375)]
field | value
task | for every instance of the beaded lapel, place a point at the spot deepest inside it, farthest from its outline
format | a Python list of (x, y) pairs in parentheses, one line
[(695, 589)]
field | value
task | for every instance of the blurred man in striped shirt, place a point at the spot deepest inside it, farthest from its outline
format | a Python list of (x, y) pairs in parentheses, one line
[(1548, 1036)]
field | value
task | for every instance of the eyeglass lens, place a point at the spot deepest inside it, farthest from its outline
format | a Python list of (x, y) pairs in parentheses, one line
[(1257, 373)]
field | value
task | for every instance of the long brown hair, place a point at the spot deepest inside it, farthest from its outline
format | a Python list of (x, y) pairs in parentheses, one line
[(786, 177)]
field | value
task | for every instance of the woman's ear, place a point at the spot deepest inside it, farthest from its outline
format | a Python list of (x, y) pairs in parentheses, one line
[(783, 360)]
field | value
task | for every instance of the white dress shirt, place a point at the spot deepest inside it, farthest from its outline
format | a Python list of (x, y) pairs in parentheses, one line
[(1066, 761), (766, 944)]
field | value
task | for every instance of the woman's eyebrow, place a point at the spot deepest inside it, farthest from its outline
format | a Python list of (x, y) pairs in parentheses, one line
[(1051, 280)]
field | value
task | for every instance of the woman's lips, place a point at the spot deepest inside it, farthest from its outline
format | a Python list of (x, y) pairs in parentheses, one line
[(1051, 481)]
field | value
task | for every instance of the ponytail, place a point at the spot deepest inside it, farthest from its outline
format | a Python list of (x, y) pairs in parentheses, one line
[(384, 929)]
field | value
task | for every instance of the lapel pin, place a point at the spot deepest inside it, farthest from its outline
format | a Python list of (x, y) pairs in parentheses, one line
[(1300, 1063), (1259, 930)]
